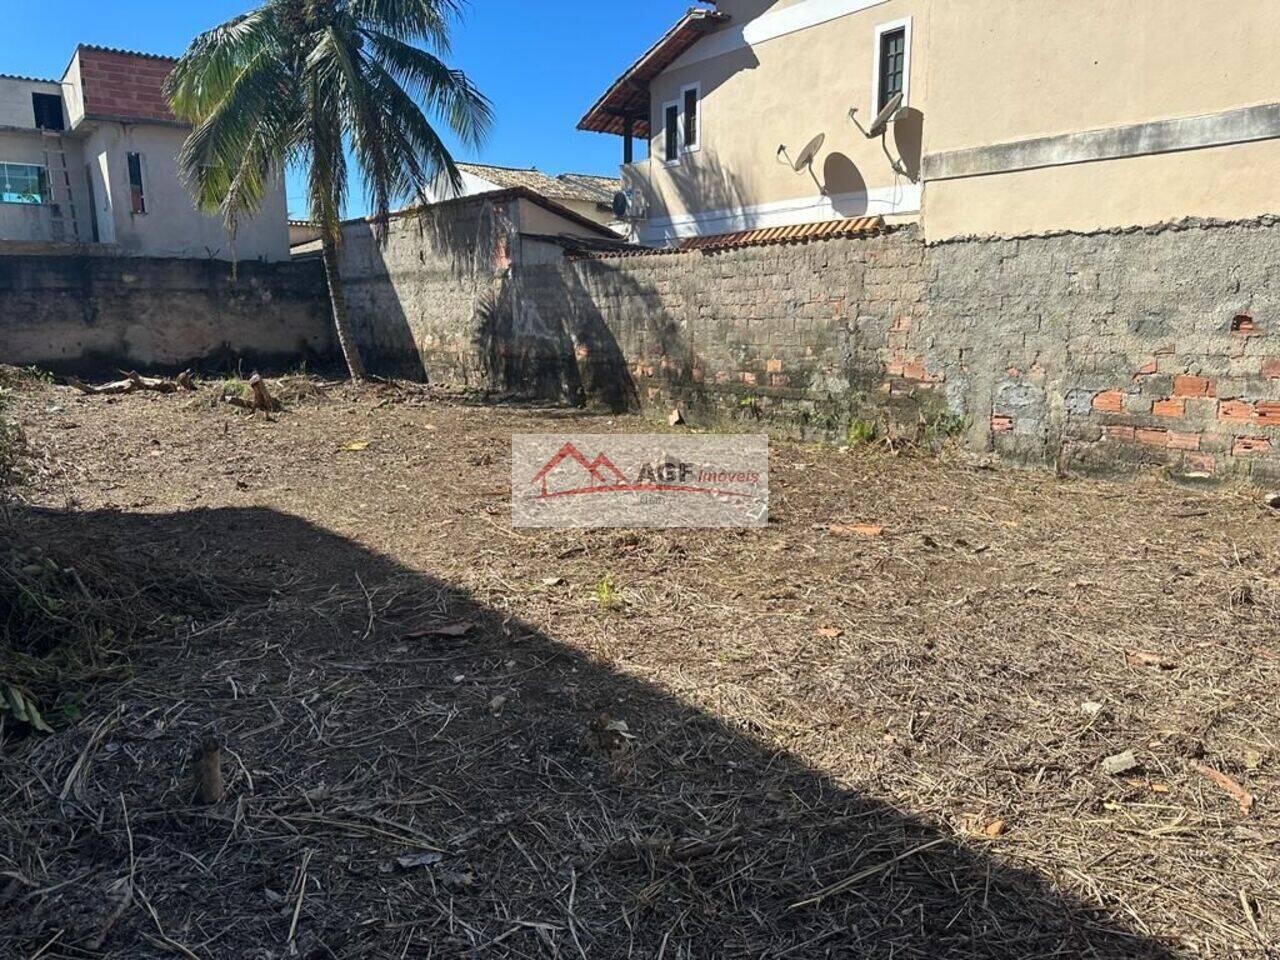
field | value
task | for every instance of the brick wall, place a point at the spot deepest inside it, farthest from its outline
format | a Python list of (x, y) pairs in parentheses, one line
[(1102, 351), (97, 315), (1143, 346), (121, 84)]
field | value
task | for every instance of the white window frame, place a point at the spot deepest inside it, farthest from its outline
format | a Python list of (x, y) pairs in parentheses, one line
[(666, 107), (696, 87), (881, 29)]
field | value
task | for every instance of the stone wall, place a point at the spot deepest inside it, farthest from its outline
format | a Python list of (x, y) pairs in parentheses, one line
[(95, 315), (1085, 351), (444, 299), (1154, 345)]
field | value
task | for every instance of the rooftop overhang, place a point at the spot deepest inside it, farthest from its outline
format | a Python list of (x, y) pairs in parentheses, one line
[(628, 97)]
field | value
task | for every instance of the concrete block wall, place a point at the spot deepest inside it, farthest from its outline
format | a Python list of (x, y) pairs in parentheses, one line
[(797, 336), (96, 315), (1097, 352), (1153, 346)]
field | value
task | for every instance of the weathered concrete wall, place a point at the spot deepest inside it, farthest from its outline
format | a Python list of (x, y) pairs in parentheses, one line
[(1090, 351), (1153, 345), (798, 336), (98, 314), (1093, 351), (444, 298)]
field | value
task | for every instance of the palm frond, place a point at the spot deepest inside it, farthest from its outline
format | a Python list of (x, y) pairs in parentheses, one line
[(445, 91), (409, 20)]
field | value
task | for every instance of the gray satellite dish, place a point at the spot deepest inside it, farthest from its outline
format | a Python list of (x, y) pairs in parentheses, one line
[(882, 119), (809, 152)]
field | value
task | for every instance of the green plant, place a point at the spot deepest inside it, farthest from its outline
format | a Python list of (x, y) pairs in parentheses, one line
[(18, 704), (946, 425), (314, 86), (860, 432), (606, 593)]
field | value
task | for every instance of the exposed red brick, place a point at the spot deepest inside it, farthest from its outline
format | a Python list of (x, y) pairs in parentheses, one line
[(1247, 445), (894, 368), (1109, 401), (779, 380), (773, 366), (1271, 368), (1118, 431), (1245, 326), (1179, 440), (1169, 408), (1268, 412), (915, 370), (1001, 424), (1146, 370), (901, 324), (748, 377), (1152, 436), (124, 85), (1189, 385), (1235, 410)]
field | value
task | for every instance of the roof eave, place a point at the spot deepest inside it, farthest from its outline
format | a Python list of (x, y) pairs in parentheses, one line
[(692, 27)]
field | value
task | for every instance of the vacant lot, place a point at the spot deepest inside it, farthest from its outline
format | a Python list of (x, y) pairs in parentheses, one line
[(447, 738)]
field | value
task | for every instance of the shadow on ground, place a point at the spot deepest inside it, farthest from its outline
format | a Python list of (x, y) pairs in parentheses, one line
[(413, 773)]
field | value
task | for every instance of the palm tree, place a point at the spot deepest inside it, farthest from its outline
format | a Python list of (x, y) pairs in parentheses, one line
[(307, 83)]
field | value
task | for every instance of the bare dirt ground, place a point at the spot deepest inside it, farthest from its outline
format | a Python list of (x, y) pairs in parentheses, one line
[(831, 744)]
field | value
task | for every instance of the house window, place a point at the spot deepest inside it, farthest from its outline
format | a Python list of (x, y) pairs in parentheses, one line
[(671, 132), (691, 127), (48, 111), (137, 190), (23, 183), (893, 63)]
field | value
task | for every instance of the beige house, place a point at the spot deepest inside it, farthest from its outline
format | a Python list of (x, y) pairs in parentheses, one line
[(1013, 118)]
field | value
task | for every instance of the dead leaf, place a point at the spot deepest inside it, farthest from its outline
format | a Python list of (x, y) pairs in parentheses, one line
[(552, 581), (855, 529), (1119, 763), (675, 417), (411, 860), (1241, 795), (356, 445), (995, 828), (830, 632), (441, 630), (1159, 787), (1252, 759), (1145, 658), (497, 703)]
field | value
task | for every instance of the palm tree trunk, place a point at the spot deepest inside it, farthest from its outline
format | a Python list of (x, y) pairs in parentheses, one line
[(338, 300)]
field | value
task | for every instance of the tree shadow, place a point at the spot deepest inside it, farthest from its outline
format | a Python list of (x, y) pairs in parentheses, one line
[(547, 804)]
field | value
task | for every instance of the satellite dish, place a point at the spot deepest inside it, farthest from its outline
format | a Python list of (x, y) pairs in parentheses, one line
[(882, 119), (621, 204), (810, 151)]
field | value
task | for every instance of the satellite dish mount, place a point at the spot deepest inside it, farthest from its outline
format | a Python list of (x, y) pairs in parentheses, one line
[(804, 160), (880, 126)]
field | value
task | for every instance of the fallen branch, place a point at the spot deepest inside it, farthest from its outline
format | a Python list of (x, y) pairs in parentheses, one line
[(134, 382), (261, 398)]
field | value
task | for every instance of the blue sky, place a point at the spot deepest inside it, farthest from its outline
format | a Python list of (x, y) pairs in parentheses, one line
[(542, 62)]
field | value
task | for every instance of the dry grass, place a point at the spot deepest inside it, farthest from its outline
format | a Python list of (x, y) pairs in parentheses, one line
[(834, 745)]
